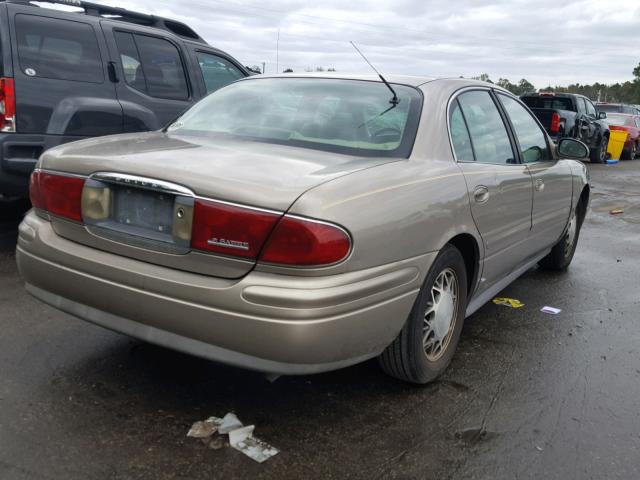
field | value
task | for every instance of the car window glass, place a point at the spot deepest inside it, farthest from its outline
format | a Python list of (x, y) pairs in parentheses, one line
[(591, 110), (489, 135), (130, 60), (460, 135), (638, 122), (532, 140), (60, 49), (583, 106), (216, 71), (152, 65)]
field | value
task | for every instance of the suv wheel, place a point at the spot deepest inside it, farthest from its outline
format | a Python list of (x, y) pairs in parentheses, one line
[(599, 154), (425, 346)]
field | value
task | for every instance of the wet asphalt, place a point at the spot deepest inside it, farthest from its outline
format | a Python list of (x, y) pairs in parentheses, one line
[(528, 395)]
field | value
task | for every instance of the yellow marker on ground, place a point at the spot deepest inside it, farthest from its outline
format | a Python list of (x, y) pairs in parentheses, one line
[(508, 302)]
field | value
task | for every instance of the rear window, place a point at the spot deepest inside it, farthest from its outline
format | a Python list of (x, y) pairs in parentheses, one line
[(553, 103), (60, 49), (613, 119), (216, 71), (343, 116), (610, 108)]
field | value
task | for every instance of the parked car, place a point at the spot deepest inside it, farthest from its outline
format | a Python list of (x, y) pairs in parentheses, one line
[(571, 115), (298, 224), (617, 108), (68, 76), (631, 125)]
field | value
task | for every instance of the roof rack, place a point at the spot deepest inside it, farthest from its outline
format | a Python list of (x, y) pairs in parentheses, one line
[(124, 15)]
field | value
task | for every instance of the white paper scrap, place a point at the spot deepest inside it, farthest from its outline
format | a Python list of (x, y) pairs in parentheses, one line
[(550, 310), (242, 439), (229, 422)]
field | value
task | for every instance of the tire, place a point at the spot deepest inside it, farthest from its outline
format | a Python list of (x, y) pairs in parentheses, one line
[(599, 154), (12, 209), (562, 253), (630, 154), (412, 357)]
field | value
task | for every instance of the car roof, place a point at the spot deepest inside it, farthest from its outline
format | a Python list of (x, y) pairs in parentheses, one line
[(410, 80)]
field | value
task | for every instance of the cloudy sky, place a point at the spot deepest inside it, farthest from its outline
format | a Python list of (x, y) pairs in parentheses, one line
[(546, 42)]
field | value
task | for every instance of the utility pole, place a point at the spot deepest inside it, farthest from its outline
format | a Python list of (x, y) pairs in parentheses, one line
[(263, 63)]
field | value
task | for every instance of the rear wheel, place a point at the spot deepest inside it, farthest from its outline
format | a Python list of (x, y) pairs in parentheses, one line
[(599, 154), (425, 346)]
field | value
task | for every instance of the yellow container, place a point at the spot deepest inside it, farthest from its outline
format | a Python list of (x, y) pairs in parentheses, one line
[(616, 143)]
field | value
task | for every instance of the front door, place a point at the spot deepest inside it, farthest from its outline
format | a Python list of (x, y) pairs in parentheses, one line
[(152, 85), (499, 186), (552, 179)]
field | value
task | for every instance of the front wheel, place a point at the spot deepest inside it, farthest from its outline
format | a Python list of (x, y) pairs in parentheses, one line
[(562, 253), (425, 346)]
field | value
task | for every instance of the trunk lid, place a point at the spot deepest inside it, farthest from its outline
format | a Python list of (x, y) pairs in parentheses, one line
[(254, 174)]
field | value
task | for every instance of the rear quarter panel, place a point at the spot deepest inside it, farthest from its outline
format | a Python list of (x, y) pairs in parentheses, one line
[(402, 209)]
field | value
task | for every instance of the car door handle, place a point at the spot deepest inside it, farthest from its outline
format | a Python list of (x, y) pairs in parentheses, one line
[(539, 185), (111, 70), (481, 194)]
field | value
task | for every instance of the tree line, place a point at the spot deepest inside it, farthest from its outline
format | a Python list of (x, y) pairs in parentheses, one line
[(626, 92)]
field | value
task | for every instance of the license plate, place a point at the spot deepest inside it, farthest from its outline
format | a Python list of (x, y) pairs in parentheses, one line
[(143, 210)]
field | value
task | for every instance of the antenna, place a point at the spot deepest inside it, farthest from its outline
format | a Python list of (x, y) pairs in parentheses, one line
[(395, 100)]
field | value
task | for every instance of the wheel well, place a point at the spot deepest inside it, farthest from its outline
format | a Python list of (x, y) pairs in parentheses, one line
[(468, 247)]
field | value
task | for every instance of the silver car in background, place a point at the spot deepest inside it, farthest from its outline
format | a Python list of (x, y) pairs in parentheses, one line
[(302, 224)]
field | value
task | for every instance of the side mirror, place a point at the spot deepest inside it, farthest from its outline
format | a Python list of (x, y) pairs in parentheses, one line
[(602, 115), (572, 148)]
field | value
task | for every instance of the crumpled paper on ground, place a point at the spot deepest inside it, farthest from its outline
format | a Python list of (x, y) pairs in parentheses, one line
[(240, 437)]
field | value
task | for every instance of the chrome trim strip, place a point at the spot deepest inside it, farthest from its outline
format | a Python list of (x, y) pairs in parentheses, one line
[(239, 205), (142, 182), (59, 172)]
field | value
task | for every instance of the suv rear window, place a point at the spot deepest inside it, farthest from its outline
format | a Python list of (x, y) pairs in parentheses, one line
[(216, 71), (60, 49), (554, 103), (152, 65)]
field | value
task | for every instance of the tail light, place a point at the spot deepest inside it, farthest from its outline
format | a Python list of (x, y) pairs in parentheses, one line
[(7, 105), (266, 236), (58, 194), (230, 229), (555, 123), (304, 242)]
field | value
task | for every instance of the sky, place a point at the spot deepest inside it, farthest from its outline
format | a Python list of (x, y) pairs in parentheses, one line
[(546, 42)]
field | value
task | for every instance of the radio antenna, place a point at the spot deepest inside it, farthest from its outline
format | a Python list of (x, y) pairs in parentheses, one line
[(395, 100)]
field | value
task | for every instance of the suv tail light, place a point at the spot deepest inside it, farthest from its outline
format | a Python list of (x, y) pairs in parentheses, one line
[(58, 194), (555, 123), (7, 105), (304, 242)]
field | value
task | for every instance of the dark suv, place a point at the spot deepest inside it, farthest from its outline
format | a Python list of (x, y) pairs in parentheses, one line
[(65, 76)]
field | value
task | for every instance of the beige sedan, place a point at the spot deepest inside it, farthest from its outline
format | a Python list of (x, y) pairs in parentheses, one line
[(301, 224)]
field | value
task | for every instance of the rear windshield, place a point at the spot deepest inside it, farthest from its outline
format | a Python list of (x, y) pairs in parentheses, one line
[(609, 108), (342, 116), (613, 119), (554, 103)]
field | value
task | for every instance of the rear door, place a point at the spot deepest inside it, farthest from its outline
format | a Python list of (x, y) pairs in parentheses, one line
[(500, 188), (552, 179), (61, 81), (153, 84)]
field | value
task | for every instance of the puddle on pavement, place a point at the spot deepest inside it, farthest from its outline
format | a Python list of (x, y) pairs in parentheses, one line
[(475, 435)]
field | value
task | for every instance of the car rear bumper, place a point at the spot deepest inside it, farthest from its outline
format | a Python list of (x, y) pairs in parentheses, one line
[(266, 322)]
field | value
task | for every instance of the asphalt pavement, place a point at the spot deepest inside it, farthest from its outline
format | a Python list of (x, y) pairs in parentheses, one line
[(528, 395)]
